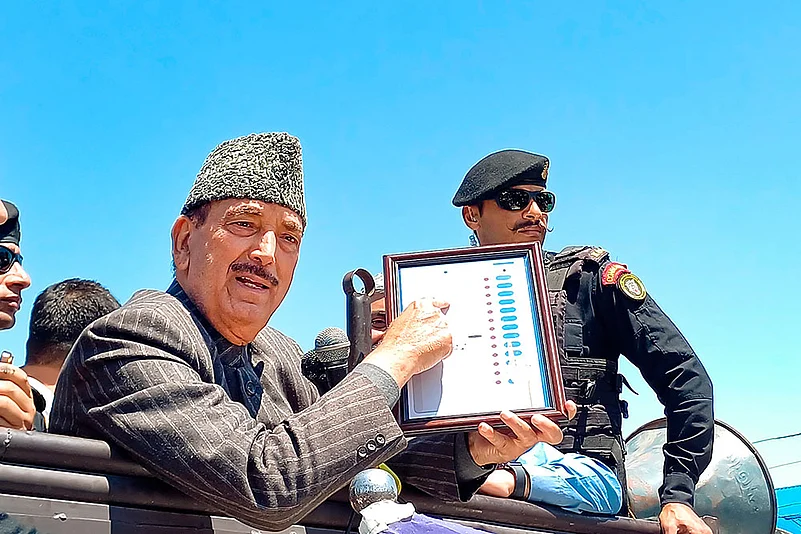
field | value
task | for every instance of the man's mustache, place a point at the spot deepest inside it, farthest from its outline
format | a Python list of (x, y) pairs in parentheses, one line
[(257, 270), (525, 224)]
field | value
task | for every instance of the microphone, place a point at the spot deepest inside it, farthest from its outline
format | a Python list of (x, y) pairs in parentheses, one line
[(312, 369), (327, 363)]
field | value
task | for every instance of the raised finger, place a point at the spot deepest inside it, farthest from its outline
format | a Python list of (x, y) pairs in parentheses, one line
[(492, 435), (427, 308), (522, 430), (16, 375), (547, 430), (442, 305)]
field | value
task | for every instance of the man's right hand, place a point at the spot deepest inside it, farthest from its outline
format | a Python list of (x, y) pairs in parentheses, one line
[(679, 518), (416, 341), (16, 398)]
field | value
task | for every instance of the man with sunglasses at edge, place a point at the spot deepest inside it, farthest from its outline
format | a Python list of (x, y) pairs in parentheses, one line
[(600, 310), (19, 407)]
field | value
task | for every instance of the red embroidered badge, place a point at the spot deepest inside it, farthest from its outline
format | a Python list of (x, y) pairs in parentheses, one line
[(612, 272)]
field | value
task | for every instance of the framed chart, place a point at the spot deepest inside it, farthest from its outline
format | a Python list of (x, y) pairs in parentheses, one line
[(504, 348)]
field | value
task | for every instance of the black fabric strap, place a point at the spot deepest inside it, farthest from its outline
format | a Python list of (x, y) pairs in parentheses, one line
[(40, 404), (521, 481)]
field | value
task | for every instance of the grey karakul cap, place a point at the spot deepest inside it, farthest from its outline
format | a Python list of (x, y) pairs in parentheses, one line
[(263, 166), (500, 170)]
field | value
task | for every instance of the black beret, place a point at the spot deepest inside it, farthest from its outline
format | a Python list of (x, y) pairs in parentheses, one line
[(500, 170), (9, 223)]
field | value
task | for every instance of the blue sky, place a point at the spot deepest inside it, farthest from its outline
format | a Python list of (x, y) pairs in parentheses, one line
[(672, 128)]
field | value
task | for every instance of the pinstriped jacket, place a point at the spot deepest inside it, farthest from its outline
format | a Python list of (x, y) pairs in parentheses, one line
[(238, 428)]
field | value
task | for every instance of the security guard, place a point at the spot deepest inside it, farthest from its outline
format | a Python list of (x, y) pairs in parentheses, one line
[(600, 310)]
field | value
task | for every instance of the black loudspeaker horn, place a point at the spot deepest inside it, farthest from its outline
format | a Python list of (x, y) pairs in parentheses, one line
[(736, 486)]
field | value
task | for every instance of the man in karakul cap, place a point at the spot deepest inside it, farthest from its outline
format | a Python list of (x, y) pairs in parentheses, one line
[(601, 310), (195, 386)]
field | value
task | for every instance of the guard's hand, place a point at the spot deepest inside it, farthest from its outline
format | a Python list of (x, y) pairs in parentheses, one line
[(416, 341), (16, 399), (678, 518), (493, 446)]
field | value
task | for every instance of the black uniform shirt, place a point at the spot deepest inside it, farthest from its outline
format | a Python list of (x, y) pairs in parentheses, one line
[(613, 324)]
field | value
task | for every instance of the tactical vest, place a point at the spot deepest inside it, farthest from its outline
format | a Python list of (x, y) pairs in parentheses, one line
[(591, 380)]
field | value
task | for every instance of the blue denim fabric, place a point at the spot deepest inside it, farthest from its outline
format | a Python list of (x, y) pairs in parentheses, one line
[(573, 482)]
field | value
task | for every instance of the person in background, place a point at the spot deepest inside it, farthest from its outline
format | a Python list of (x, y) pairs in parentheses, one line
[(59, 315), (312, 363), (601, 310), (17, 409), (378, 311)]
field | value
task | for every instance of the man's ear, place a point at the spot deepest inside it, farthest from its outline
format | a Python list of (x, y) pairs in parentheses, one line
[(181, 230), (470, 216)]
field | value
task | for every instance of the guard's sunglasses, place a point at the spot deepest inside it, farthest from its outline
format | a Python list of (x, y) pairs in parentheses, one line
[(518, 199), (7, 259)]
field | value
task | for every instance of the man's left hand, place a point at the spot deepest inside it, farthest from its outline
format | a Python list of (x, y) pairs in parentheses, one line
[(678, 518), (493, 446)]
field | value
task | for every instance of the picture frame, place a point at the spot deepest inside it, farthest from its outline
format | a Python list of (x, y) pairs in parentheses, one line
[(505, 355)]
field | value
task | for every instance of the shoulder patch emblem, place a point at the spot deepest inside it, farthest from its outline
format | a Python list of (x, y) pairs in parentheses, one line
[(631, 286), (597, 254), (612, 272)]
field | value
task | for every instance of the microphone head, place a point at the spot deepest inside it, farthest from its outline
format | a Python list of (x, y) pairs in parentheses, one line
[(332, 344), (313, 369)]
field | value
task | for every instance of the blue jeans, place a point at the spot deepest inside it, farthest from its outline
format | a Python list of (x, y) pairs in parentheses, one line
[(573, 482)]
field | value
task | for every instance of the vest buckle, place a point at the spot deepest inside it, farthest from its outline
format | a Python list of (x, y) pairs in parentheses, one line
[(588, 390)]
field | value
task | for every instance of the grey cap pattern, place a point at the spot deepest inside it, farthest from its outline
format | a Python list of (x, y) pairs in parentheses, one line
[(263, 166)]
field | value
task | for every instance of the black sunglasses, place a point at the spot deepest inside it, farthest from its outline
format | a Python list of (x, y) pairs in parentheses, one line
[(518, 199), (7, 259)]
